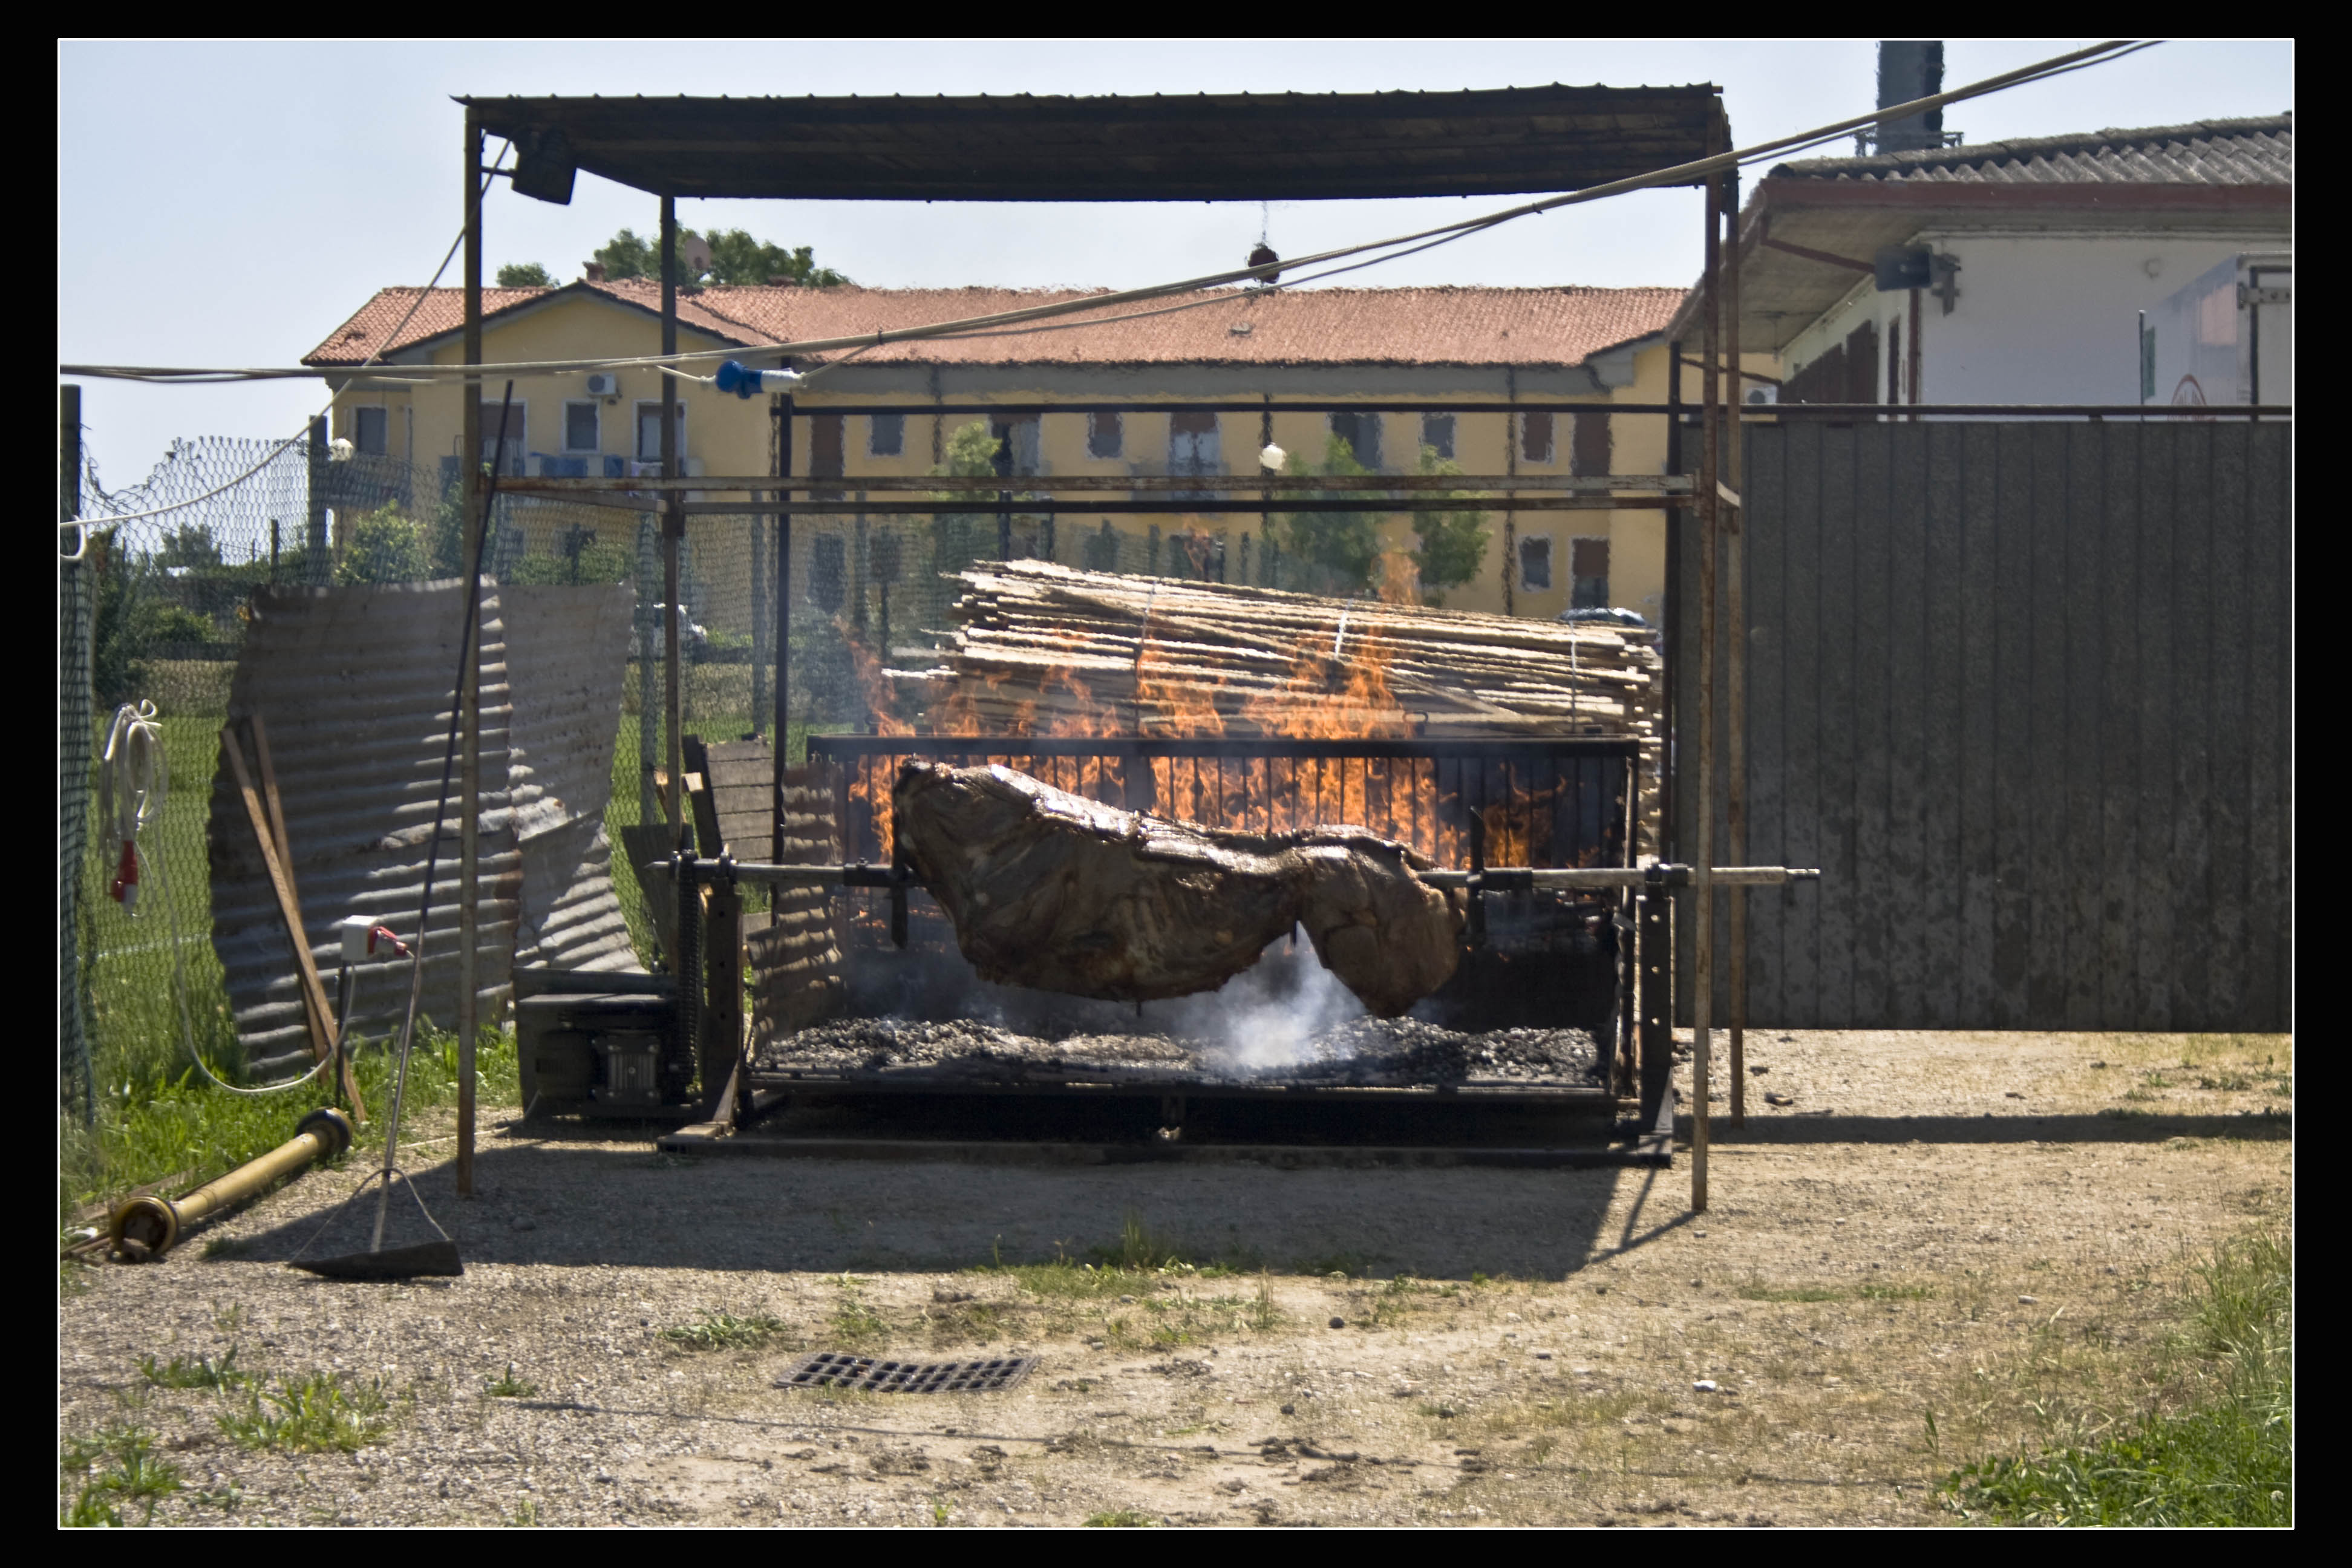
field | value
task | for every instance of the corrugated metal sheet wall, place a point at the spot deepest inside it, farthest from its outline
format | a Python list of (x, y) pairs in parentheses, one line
[(2022, 691), (796, 959), (353, 684)]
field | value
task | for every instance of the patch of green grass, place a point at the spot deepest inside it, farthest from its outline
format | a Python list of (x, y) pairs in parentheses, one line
[(1755, 1290), (2227, 1082), (170, 1121), (525, 1516), (1348, 1265), (1263, 1315), (2225, 1457), (968, 1322), (1897, 1292), (203, 1371), (1391, 1301), (1066, 1279), (855, 1322), (507, 1385), (725, 1331), (1138, 1249), (121, 1466), (318, 1413), (1121, 1519)]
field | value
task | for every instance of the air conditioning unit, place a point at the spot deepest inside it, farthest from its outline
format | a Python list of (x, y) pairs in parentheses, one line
[(605, 386)]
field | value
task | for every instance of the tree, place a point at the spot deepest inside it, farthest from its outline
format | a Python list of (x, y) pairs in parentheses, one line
[(736, 257), (1341, 545), (123, 619), (1453, 543), (189, 544), (957, 539), (381, 546), (524, 275)]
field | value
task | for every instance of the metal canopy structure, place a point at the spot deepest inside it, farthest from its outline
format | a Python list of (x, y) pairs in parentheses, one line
[(1019, 148), (1240, 147)]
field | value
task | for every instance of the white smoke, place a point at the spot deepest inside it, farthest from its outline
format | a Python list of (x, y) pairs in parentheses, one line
[(1270, 1014)]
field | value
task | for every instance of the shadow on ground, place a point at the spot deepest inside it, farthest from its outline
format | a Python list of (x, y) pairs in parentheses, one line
[(1783, 1127), (572, 1199)]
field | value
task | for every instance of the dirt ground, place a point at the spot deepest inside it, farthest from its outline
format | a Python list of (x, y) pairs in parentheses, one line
[(1948, 1246)]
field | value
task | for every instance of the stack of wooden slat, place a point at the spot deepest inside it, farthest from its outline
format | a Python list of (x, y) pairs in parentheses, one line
[(1041, 649)]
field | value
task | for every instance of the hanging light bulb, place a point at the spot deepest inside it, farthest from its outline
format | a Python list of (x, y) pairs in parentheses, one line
[(1263, 255), (1272, 458)]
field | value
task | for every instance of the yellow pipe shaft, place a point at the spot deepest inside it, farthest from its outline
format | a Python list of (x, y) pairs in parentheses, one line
[(149, 1225)]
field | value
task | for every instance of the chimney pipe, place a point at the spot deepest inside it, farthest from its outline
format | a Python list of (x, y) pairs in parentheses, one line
[(1910, 69), (594, 271)]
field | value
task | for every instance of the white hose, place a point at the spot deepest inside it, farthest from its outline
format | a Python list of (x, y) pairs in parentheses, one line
[(131, 786)]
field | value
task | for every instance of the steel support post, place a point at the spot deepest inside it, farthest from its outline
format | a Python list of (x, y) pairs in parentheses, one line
[(1669, 844), (1735, 659), (784, 605), (469, 682), (722, 1045), (673, 535), (1710, 511), (317, 550), (1653, 951)]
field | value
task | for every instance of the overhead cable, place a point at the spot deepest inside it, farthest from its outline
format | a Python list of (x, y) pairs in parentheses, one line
[(1677, 175)]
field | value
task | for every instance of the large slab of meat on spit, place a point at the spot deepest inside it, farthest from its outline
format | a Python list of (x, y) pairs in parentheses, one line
[(1061, 893)]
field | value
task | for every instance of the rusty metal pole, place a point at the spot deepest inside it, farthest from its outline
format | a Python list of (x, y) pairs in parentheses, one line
[(783, 413), (1669, 843), (1735, 661), (469, 684), (673, 531), (1703, 775)]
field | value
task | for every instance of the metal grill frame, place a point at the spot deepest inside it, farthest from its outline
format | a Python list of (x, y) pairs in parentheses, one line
[(879, 1374)]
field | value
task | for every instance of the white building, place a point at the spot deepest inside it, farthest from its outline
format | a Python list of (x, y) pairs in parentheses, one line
[(2008, 272)]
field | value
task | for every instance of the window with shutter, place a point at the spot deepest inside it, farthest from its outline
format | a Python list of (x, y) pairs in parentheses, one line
[(1535, 562), (1588, 451), (1195, 449), (581, 432), (1105, 435), (370, 432), (1361, 432), (1437, 434), (1588, 568)]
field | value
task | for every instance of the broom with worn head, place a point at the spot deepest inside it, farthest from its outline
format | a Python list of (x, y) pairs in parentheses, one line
[(429, 1258)]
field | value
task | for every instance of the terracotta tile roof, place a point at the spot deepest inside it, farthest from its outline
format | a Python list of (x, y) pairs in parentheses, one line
[(1326, 326), (2205, 152)]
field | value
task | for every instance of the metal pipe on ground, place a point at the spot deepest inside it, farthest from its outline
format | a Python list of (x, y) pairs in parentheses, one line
[(149, 1226)]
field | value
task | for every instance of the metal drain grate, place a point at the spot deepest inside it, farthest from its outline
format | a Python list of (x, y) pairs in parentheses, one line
[(831, 1368)]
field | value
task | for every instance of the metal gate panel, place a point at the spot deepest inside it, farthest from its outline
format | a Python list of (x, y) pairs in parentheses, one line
[(2022, 690)]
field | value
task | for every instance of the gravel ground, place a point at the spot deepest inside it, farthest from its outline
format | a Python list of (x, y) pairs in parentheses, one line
[(1987, 1228), (1394, 1051)]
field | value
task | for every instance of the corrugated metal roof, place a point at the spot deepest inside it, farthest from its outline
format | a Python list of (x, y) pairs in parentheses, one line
[(2202, 153), (1305, 326), (1167, 147), (353, 684)]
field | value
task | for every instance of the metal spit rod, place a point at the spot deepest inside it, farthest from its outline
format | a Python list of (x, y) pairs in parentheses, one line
[(1493, 879)]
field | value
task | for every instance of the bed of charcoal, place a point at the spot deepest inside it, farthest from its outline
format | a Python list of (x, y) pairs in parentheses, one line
[(1394, 1051)]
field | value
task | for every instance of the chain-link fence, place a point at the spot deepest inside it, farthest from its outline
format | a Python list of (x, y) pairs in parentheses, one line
[(166, 599), (168, 593)]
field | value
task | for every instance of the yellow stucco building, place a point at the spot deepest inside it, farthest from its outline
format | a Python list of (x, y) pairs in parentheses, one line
[(1591, 348)]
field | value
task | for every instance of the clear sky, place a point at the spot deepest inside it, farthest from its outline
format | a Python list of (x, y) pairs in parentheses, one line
[(231, 204)]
